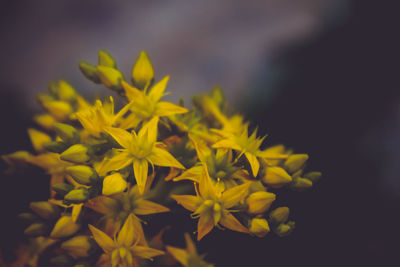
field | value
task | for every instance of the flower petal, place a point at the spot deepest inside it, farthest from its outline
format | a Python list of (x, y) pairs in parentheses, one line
[(227, 143), (140, 168), (123, 137), (146, 252), (235, 194), (255, 165), (149, 130), (126, 235), (145, 207), (103, 240), (204, 226), (117, 162), (192, 174), (157, 91), (113, 184), (230, 222), (179, 254), (189, 202), (161, 157), (166, 109)]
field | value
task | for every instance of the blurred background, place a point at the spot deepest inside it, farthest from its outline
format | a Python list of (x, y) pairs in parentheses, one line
[(320, 76)]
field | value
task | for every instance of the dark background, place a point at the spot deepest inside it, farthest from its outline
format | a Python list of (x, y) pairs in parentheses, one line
[(334, 95)]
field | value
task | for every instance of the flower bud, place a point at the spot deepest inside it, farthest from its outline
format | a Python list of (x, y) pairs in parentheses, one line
[(284, 229), (38, 139), (78, 246), (18, 157), (66, 132), (62, 189), (313, 176), (279, 215), (45, 120), (62, 261), (90, 72), (295, 162), (65, 91), (105, 59), (259, 202), (82, 174), (28, 217), (113, 184), (111, 78), (276, 177), (259, 227), (64, 227), (45, 209), (300, 184), (77, 153), (77, 196), (59, 109), (55, 146), (142, 72), (37, 229)]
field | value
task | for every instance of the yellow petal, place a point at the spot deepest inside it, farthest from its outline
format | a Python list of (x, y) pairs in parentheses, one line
[(189, 202), (76, 211), (179, 254), (157, 91), (142, 72), (202, 149), (113, 184), (132, 93), (103, 240), (206, 186), (191, 248), (38, 139), (255, 165), (144, 207), (235, 194), (146, 252), (161, 157), (127, 234), (140, 168), (123, 137), (167, 109), (193, 174), (149, 130), (227, 143), (117, 162), (102, 204), (230, 222), (204, 226)]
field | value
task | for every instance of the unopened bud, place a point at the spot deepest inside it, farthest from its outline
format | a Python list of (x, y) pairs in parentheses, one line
[(301, 184), (279, 215), (276, 177), (64, 227), (89, 71), (111, 78), (259, 227), (62, 261), (259, 202), (105, 59), (18, 157), (45, 209), (142, 72), (55, 146), (313, 176), (38, 139), (59, 109), (28, 217), (284, 229), (82, 174), (62, 189), (37, 229), (77, 153), (78, 246), (66, 132), (66, 91), (295, 162), (77, 196), (113, 184), (45, 120)]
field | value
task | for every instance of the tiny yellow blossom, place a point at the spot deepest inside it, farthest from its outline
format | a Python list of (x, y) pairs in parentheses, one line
[(124, 249)]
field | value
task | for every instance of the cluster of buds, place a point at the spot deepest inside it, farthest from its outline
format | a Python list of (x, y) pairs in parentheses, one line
[(109, 168)]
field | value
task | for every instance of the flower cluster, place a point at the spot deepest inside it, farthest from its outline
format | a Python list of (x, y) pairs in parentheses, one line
[(112, 162)]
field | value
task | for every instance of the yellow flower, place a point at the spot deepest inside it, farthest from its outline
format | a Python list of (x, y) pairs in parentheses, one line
[(188, 257), (117, 207), (95, 119), (247, 145), (139, 149), (147, 106), (211, 205), (124, 249)]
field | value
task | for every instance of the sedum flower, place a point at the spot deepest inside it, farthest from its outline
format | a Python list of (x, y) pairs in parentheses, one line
[(247, 145), (140, 150), (124, 250), (148, 105), (188, 257), (211, 205)]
